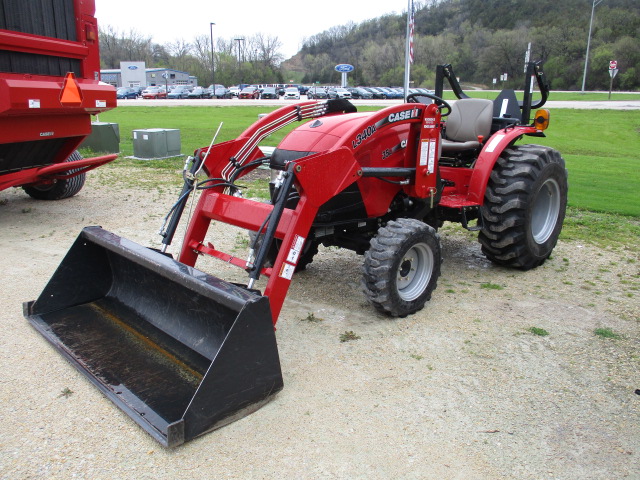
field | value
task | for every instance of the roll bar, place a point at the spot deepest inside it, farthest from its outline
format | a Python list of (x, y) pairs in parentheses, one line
[(533, 71)]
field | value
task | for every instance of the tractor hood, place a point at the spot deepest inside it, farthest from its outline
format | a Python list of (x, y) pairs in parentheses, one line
[(322, 133)]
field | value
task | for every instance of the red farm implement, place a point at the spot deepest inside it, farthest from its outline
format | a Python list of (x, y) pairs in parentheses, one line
[(49, 88)]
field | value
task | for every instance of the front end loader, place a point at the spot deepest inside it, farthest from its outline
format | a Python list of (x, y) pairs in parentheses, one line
[(184, 352)]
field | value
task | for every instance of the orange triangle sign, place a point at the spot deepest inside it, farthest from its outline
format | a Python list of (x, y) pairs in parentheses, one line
[(71, 95)]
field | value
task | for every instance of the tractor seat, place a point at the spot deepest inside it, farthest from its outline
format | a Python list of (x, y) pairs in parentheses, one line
[(469, 118)]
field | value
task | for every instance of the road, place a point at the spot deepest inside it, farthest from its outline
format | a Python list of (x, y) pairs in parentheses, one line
[(597, 105)]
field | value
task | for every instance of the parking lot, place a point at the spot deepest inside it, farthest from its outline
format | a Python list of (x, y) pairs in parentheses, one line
[(611, 105)]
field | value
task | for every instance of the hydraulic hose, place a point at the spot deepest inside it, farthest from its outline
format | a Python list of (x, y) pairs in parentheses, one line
[(189, 179)]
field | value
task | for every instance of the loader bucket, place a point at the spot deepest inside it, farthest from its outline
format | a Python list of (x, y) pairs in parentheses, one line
[(180, 351)]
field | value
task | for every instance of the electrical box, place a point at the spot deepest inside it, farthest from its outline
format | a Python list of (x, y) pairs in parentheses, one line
[(156, 143), (104, 138)]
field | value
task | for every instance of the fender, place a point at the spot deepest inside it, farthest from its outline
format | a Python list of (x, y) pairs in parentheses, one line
[(488, 158)]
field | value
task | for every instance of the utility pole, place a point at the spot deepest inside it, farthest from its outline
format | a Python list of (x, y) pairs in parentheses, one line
[(586, 57), (213, 65), (241, 39)]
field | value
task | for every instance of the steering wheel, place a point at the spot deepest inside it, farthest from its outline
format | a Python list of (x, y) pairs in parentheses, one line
[(416, 98)]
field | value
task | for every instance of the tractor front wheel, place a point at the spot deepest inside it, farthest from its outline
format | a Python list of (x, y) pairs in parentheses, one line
[(524, 206), (402, 266)]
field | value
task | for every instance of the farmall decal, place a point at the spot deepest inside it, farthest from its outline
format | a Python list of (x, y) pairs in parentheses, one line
[(392, 118)]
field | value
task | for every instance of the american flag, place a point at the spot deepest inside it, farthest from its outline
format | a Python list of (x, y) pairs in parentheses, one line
[(411, 25)]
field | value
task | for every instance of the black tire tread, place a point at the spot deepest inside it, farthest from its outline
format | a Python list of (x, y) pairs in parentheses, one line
[(62, 188), (507, 197), (379, 265)]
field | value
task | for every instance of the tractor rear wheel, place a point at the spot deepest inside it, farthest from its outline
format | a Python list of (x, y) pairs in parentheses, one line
[(524, 206), (402, 266), (58, 189)]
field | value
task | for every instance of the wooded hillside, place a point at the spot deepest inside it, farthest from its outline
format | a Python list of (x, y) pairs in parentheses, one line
[(484, 39)]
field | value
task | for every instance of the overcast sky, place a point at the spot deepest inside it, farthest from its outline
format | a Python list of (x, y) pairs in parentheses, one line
[(290, 21)]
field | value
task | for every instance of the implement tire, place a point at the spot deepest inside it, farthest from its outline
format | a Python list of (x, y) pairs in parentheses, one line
[(402, 266), (524, 206), (58, 189)]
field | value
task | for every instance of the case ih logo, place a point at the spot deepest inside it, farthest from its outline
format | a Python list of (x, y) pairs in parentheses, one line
[(404, 115)]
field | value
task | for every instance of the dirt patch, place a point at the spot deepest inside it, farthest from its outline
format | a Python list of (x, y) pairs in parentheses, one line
[(463, 389)]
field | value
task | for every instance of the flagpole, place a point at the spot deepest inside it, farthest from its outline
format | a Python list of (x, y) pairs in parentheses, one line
[(408, 47)]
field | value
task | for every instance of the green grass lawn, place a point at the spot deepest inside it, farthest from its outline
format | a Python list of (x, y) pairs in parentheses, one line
[(602, 152), (197, 124), (601, 147)]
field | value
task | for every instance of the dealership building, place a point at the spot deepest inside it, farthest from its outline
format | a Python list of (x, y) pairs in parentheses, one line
[(135, 74)]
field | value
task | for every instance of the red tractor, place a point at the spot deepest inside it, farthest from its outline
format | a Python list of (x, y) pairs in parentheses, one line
[(194, 352)]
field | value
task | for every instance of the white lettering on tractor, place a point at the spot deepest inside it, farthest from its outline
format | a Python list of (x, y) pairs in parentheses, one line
[(361, 137), (404, 115)]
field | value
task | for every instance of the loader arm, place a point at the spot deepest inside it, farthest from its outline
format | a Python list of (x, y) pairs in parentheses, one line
[(317, 178)]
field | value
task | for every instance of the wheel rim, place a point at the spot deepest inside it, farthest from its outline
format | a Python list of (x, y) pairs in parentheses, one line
[(45, 187), (414, 272), (546, 208)]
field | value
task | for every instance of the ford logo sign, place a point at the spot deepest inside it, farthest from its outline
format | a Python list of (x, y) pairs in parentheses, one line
[(132, 67), (344, 68)]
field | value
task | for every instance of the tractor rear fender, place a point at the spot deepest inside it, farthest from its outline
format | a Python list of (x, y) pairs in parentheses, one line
[(492, 149)]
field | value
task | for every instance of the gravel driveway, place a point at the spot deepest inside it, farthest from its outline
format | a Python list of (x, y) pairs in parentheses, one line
[(462, 390)]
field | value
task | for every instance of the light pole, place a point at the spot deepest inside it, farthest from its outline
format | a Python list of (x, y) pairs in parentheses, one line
[(241, 39), (213, 65), (586, 58)]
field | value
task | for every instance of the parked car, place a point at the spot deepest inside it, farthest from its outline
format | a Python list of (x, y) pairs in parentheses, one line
[(375, 92), (249, 92), (126, 92), (180, 91), (219, 91), (391, 92), (358, 92), (154, 92), (291, 93), (316, 93), (199, 92), (338, 93), (269, 92)]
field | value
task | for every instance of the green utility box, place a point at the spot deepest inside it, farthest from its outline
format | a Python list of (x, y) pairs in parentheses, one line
[(156, 143), (104, 138)]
